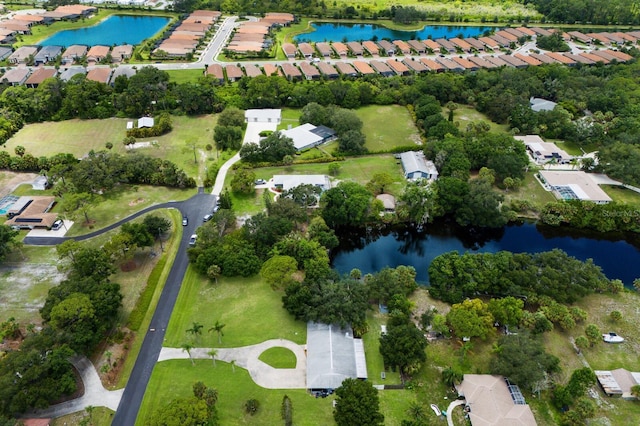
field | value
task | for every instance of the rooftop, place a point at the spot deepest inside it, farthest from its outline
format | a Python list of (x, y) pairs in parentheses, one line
[(572, 185)]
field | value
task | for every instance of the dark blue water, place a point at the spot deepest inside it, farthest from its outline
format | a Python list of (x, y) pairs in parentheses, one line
[(117, 29), (374, 250), (357, 32)]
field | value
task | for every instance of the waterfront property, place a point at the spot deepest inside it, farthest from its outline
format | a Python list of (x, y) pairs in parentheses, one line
[(544, 152), (416, 166), (573, 185)]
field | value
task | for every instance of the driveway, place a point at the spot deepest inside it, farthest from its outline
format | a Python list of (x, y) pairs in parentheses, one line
[(247, 357), (251, 134)]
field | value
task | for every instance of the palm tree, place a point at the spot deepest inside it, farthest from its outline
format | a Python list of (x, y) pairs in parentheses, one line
[(451, 376), (212, 353), (186, 347), (233, 365), (416, 410), (217, 327), (196, 330)]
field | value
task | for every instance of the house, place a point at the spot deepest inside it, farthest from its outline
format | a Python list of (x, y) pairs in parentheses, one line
[(578, 36), (561, 58), (32, 212), (341, 49), (145, 122), (355, 48), (461, 44), (419, 47), (382, 68), (73, 53), (101, 75), (252, 70), (122, 52), (475, 43), (398, 67), (233, 72), (216, 71), (432, 45), (542, 152), (415, 66), (388, 202), (573, 185), (345, 68), (492, 400), (402, 46), (289, 50), (618, 383), (481, 62), (47, 54), (526, 31), (387, 47), (530, 60), (7, 36), (506, 35), (286, 182), (98, 53), (543, 58), (446, 45), (333, 355), (291, 72), (327, 70), (363, 68), (67, 74), (263, 116), (432, 65), (489, 42), (415, 166), (5, 52), (450, 65), (516, 33), (307, 135), (539, 104), (38, 76), (121, 71), (465, 63), (540, 31), (270, 69), (514, 61), (306, 50), (496, 61), (15, 76), (309, 71), (324, 49), (23, 54)]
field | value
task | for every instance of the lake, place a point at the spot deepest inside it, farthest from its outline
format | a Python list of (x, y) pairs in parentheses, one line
[(329, 31), (373, 250), (115, 30)]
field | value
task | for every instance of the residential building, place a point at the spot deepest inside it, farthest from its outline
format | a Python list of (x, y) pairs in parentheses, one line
[(263, 115), (15, 76), (122, 52), (307, 135), (38, 76), (32, 212), (47, 54), (23, 54), (98, 53), (286, 182), (542, 152), (573, 185), (101, 75), (618, 383), (415, 166)]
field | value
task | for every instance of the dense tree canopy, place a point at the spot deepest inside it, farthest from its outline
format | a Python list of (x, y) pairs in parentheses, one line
[(357, 403), (346, 204)]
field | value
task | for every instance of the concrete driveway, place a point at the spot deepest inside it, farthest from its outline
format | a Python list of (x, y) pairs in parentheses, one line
[(247, 357)]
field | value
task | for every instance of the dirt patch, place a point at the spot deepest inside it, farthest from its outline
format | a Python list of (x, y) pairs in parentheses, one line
[(128, 266), (136, 202), (10, 180), (111, 363)]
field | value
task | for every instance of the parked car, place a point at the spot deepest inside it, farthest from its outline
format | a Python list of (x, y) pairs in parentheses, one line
[(260, 182), (612, 338), (57, 225), (185, 221), (192, 240), (207, 218)]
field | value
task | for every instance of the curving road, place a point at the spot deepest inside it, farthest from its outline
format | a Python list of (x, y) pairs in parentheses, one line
[(194, 208)]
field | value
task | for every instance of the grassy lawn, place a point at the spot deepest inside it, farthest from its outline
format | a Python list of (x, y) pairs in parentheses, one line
[(119, 204), (375, 364), (395, 129), (100, 416), (531, 191), (175, 378), (290, 117), (622, 195), (185, 76), (248, 204), (240, 303), (279, 357), (78, 137), (466, 114)]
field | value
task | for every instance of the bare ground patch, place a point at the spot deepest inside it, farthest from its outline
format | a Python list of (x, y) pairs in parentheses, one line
[(10, 180)]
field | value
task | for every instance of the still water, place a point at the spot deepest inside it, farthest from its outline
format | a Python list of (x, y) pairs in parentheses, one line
[(356, 32), (116, 29), (372, 250)]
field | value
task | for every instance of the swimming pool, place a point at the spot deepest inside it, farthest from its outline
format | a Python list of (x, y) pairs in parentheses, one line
[(6, 203)]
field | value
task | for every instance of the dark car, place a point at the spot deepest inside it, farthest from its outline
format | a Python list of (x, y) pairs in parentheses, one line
[(185, 221)]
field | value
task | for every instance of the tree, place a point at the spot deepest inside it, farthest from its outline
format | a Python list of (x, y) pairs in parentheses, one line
[(593, 334), (471, 318), (319, 231), (227, 137), (357, 403), (233, 365), (213, 272), (182, 411), (481, 206), (347, 204), (217, 327), (187, 347), (213, 353), (305, 195), (7, 240), (403, 346), (507, 311), (615, 316), (451, 376), (278, 271), (286, 411), (139, 233), (77, 203), (635, 391), (232, 117), (243, 181), (636, 284), (521, 359), (75, 318), (352, 142), (196, 330), (379, 183), (20, 150), (252, 406), (156, 225), (416, 203), (582, 342)]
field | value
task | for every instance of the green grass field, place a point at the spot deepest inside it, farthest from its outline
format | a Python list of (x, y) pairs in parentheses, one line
[(279, 357), (251, 311), (622, 195), (185, 76), (386, 127), (466, 114)]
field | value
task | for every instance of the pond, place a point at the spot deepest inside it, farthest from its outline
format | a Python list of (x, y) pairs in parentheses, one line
[(115, 30), (326, 31), (373, 250)]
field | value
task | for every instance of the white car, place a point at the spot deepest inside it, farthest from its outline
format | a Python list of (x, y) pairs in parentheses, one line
[(612, 338), (192, 240)]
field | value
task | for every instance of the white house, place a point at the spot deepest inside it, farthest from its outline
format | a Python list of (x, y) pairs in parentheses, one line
[(573, 185), (539, 104), (416, 166), (543, 152), (307, 135), (286, 182), (145, 122), (263, 116)]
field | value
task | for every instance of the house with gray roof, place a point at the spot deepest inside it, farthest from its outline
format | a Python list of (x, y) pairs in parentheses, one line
[(15, 76), (286, 182), (307, 135), (5, 52), (70, 72), (22, 54), (416, 166), (125, 71), (539, 104), (333, 355), (47, 54)]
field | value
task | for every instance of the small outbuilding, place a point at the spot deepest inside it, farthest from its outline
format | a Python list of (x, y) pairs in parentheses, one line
[(618, 383), (145, 122), (263, 115), (539, 104), (416, 166), (388, 201)]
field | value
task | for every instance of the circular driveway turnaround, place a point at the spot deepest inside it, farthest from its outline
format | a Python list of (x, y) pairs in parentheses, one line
[(246, 357)]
